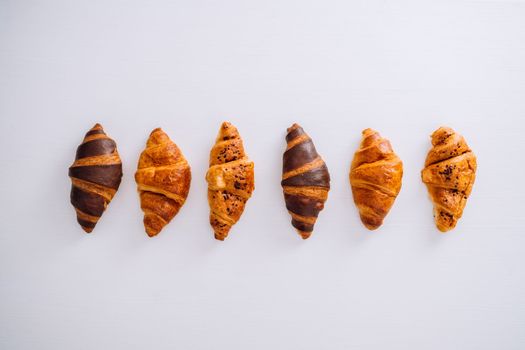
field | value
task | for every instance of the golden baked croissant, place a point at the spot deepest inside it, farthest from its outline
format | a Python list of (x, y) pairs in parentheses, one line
[(375, 176), (163, 181), (95, 177), (305, 180), (449, 174), (230, 180)]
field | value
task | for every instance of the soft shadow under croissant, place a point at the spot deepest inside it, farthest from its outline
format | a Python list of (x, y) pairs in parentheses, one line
[(375, 177)]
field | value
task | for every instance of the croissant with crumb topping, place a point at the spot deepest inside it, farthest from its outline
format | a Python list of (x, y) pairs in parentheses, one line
[(375, 177), (449, 174), (230, 180)]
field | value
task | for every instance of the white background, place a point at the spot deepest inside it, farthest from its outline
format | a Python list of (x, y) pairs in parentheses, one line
[(404, 68)]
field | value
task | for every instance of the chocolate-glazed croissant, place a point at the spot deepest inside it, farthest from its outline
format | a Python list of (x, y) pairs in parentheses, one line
[(95, 177), (163, 181), (375, 176), (230, 180), (449, 174), (305, 180)]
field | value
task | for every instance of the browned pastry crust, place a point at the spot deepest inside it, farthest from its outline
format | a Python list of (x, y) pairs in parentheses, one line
[(163, 181), (230, 180), (305, 180), (95, 176), (449, 174), (375, 176)]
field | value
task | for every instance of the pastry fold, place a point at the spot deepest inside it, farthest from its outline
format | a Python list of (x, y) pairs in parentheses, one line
[(375, 177), (230, 179), (449, 174), (305, 180), (95, 176), (163, 181)]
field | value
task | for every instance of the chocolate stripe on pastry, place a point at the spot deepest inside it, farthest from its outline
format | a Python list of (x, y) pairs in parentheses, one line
[(302, 205), (316, 177), (101, 180), (95, 132), (96, 148), (294, 134), (299, 155), (105, 175), (305, 179), (89, 203), (86, 224), (301, 226)]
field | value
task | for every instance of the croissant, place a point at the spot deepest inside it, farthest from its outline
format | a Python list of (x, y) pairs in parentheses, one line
[(449, 174), (230, 180), (305, 180), (375, 177), (95, 176), (163, 181)]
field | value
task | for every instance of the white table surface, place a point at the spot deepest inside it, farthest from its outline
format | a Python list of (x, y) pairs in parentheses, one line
[(404, 68)]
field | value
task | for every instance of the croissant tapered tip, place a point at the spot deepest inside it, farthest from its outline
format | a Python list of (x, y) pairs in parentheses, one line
[(87, 229), (371, 134), (303, 234), (371, 227), (153, 224), (371, 223), (227, 125), (157, 132), (441, 134), (369, 137), (293, 127), (227, 131), (152, 232), (157, 137), (445, 225), (219, 237), (95, 130), (443, 228), (227, 128), (443, 128), (294, 132)]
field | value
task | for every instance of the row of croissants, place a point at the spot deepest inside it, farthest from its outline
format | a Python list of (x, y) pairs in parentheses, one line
[(163, 179)]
